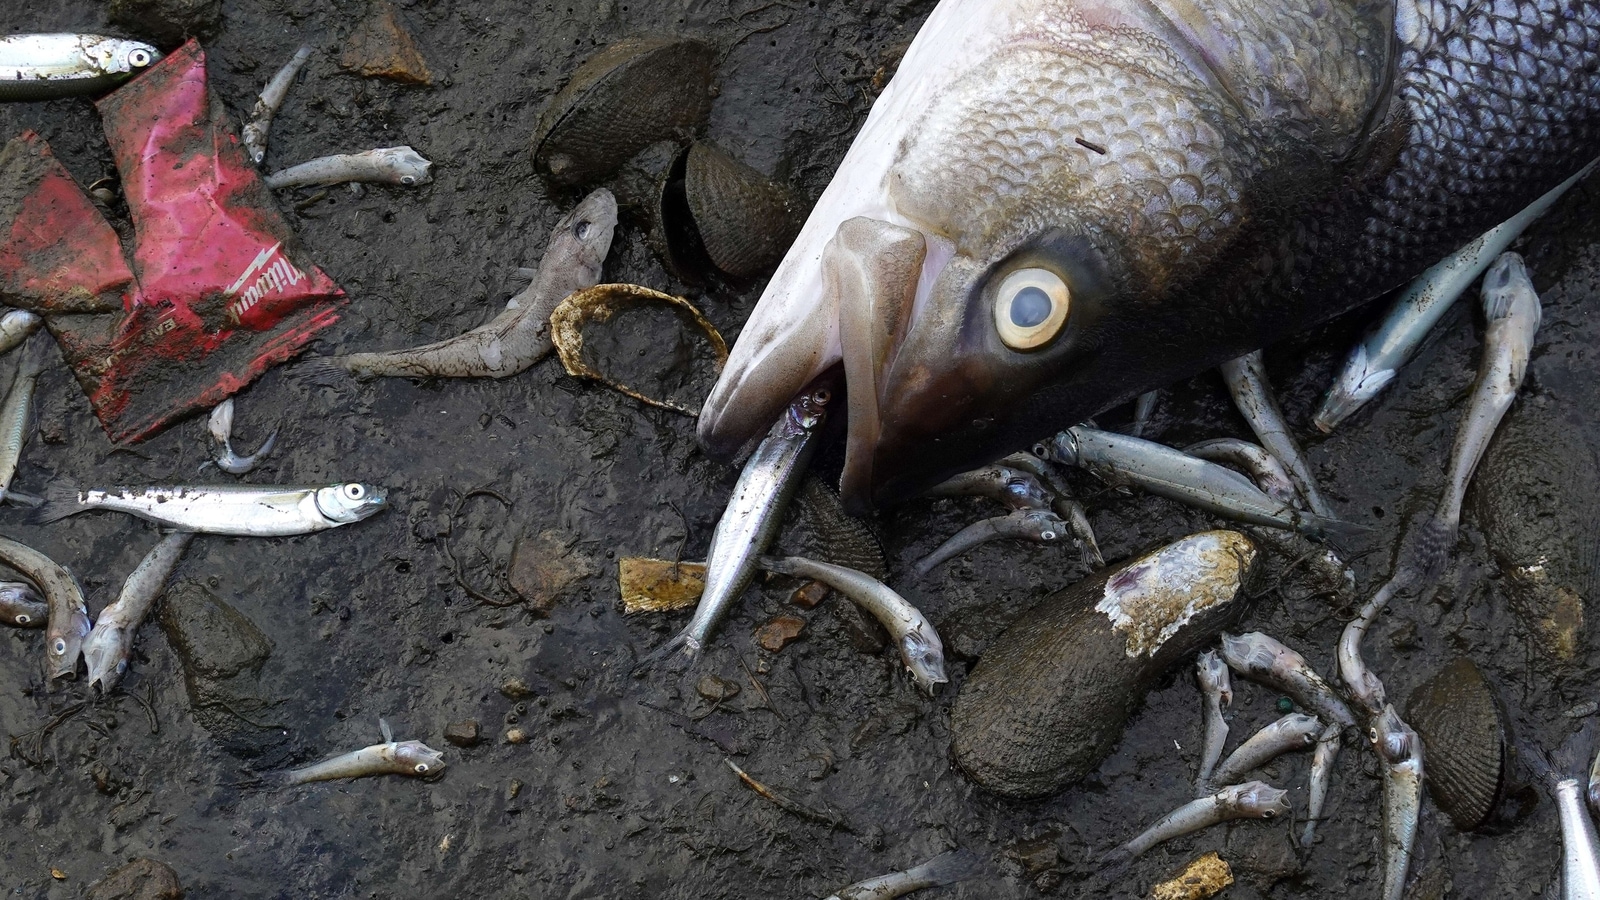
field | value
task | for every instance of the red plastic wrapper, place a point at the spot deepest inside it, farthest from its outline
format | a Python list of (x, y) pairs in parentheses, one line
[(219, 290)]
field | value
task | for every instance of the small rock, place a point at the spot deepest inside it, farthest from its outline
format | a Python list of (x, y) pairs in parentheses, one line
[(516, 689), (716, 689), (1203, 878), (778, 633), (381, 47), (1036, 855), (808, 595), (464, 734), (166, 22), (141, 879), (513, 789), (544, 567), (516, 736), (659, 585)]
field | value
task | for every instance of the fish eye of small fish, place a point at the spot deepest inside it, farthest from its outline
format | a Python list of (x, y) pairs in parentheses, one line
[(59, 646), (22, 618)]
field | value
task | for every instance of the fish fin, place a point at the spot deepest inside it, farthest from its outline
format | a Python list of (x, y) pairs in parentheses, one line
[(60, 501), (385, 730), (950, 867), (679, 653), (1325, 528), (324, 371), (17, 498)]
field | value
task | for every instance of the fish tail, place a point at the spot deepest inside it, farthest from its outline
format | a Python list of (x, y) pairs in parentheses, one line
[(327, 371), (948, 868), (60, 501), (679, 653), (1326, 528)]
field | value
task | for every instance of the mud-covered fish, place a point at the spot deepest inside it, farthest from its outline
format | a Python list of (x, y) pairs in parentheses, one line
[(1400, 751), (255, 132), (386, 165), (520, 335), (47, 66), (220, 425), (1050, 696), (945, 869), (919, 644), (110, 643), (1295, 731), (1251, 800), (1246, 378), (413, 758), (1251, 459), (1057, 205), (69, 616), (1211, 674), (1041, 526), (21, 606), (241, 510), (18, 408), (16, 326), (1003, 484)]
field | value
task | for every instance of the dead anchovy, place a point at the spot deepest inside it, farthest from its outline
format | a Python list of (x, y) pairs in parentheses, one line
[(385, 165), (945, 869), (1413, 314), (1580, 846), (1296, 731), (1041, 526), (1247, 382), (221, 425), (755, 511), (391, 757), (110, 643), (1400, 751), (20, 605), (1143, 409), (1067, 508), (272, 96), (241, 510), (1211, 673), (520, 335), (69, 616), (1173, 474), (47, 66), (16, 326), (920, 647), (1254, 461), (1050, 696), (1251, 800), (17, 410), (1320, 780), (1003, 484)]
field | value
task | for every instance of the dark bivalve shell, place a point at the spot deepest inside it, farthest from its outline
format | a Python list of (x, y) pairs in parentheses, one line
[(624, 98), (1463, 742), (1050, 696), (745, 220)]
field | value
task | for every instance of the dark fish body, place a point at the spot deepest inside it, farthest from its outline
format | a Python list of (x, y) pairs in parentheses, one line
[(1168, 185), (1049, 697), (1464, 736)]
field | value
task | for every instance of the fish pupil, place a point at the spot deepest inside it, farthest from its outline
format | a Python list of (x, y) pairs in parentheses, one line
[(1030, 307), (582, 231)]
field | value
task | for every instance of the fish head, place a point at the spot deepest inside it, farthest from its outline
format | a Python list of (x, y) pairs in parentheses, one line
[(403, 165), (115, 55), (105, 655), (923, 654), (1394, 740), (64, 644), (351, 502), (19, 603), (1017, 239), (1259, 800), (419, 760), (1212, 673), (1305, 728), (1040, 525), (581, 239)]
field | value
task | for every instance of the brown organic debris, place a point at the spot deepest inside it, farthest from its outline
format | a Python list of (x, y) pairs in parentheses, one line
[(1203, 878), (785, 803), (464, 734), (716, 689), (809, 595), (659, 585), (140, 879), (381, 47), (544, 567), (780, 632)]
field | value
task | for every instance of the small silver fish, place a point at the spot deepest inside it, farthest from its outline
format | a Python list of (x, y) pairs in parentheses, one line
[(520, 335), (1295, 731), (385, 165), (1264, 659), (18, 408), (1246, 378), (69, 616), (1251, 800), (945, 869), (259, 127), (1594, 785), (1014, 488), (1320, 780), (1211, 673), (240, 510), (47, 66), (1143, 410), (413, 758), (913, 633), (221, 426), (16, 326), (1580, 847), (1066, 507), (1400, 751), (1254, 461), (110, 644), (21, 606), (1041, 526), (755, 511)]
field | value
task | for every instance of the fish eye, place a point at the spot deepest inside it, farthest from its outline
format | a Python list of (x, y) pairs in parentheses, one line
[(822, 396), (122, 666), (581, 229), (23, 618), (1268, 814), (60, 646), (421, 768), (1030, 308), (139, 58), (1047, 535), (354, 491)]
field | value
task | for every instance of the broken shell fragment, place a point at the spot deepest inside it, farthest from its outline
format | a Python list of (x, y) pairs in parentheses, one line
[(624, 98), (1463, 740), (1205, 877), (659, 585), (639, 355)]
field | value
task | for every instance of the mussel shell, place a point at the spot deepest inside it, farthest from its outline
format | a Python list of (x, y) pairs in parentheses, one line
[(1050, 696), (624, 98), (744, 219), (1463, 742), (1536, 496)]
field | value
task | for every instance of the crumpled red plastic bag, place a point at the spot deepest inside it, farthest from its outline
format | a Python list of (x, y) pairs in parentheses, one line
[(219, 290)]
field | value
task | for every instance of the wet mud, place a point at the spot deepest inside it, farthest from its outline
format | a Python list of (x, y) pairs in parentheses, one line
[(619, 787)]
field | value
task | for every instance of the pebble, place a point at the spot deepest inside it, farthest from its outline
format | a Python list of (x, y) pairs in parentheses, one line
[(780, 632), (516, 689), (516, 736), (464, 734), (716, 689), (513, 789), (381, 47), (808, 595), (1203, 878), (141, 879)]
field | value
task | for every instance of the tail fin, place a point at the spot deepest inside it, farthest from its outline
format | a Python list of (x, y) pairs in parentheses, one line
[(1324, 528), (679, 653), (948, 868), (325, 371), (61, 499)]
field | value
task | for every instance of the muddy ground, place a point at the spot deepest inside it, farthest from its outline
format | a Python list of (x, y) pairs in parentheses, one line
[(622, 789)]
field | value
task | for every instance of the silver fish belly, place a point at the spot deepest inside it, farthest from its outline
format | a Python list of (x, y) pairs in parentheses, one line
[(17, 410), (412, 758), (1211, 674), (1400, 751), (1580, 848), (945, 869), (236, 510), (110, 642), (69, 616), (47, 66)]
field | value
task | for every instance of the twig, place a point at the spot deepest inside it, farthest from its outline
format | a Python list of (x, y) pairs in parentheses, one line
[(765, 697), (787, 805)]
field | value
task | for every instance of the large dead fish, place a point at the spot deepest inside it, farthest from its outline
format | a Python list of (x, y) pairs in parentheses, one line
[(1057, 205)]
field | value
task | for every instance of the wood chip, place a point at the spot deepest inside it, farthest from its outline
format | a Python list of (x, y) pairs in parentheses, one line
[(659, 585)]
